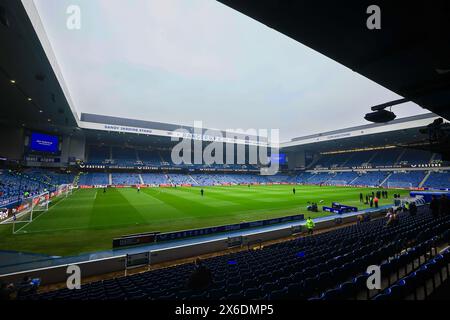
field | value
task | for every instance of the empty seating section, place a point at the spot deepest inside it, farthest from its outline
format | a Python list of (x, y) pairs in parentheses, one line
[(48, 179), (93, 179), (320, 178), (155, 178), (149, 157), (124, 156), (386, 157), (98, 154), (180, 179), (333, 160), (13, 185), (126, 179), (371, 178), (405, 179), (438, 180), (343, 178), (377, 158), (360, 158), (330, 265), (415, 157)]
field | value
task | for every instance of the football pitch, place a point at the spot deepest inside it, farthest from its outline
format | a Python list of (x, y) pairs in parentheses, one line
[(89, 219)]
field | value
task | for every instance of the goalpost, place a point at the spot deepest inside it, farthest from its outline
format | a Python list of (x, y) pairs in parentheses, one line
[(337, 182), (28, 209), (64, 190), (399, 185)]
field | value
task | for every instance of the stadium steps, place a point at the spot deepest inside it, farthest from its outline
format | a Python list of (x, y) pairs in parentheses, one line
[(399, 158), (195, 181), (356, 178), (110, 178), (372, 157), (345, 162), (140, 179), (76, 179), (425, 178), (386, 179), (313, 163)]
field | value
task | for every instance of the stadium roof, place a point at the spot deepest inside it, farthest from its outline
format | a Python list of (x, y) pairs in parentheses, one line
[(29, 58), (409, 55), (394, 133), (31, 93), (250, 76)]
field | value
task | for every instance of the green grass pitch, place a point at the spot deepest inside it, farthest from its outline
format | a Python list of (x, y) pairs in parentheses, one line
[(89, 219)]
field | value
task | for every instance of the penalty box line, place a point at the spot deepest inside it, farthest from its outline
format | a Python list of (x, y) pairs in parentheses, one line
[(29, 222)]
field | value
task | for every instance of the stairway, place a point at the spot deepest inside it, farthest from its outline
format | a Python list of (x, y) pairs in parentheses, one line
[(195, 181), (424, 179), (386, 179), (140, 179), (351, 182), (399, 157)]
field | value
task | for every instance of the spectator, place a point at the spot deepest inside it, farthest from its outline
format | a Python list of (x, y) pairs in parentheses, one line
[(6, 291), (201, 277), (434, 206), (412, 209), (359, 218), (443, 205), (375, 201), (27, 287), (310, 225)]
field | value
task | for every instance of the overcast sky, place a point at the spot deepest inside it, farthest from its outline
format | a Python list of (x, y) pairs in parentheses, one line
[(180, 61)]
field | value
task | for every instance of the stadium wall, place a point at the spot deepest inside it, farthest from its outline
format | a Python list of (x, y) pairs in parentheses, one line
[(296, 160), (57, 274), (12, 150)]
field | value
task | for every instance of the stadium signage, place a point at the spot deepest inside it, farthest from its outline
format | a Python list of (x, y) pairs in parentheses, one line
[(233, 227), (174, 134), (3, 214), (134, 240)]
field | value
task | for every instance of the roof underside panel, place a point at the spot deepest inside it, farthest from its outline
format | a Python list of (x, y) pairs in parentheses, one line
[(409, 55)]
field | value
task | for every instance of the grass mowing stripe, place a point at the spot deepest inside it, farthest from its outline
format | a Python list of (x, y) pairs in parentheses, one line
[(88, 219)]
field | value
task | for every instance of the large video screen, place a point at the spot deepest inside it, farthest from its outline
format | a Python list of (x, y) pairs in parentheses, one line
[(280, 157), (44, 143)]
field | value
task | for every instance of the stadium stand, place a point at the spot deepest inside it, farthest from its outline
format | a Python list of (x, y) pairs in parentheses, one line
[(438, 180), (416, 157), (93, 179), (327, 266), (370, 178), (98, 154), (386, 157), (13, 184), (155, 178), (149, 157), (126, 179), (405, 179)]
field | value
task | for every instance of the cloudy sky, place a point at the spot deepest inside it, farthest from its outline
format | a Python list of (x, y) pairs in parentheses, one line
[(180, 61)]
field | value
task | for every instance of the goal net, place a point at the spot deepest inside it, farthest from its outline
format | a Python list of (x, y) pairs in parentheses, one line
[(337, 182), (27, 211), (399, 184), (64, 190)]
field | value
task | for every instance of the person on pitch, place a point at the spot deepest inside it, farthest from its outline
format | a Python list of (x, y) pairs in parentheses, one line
[(310, 225)]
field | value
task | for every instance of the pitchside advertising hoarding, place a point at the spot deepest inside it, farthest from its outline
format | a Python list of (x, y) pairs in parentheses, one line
[(139, 239)]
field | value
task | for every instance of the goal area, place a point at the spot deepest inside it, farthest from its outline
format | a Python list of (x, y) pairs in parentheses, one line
[(64, 190), (337, 182), (399, 185), (27, 211)]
